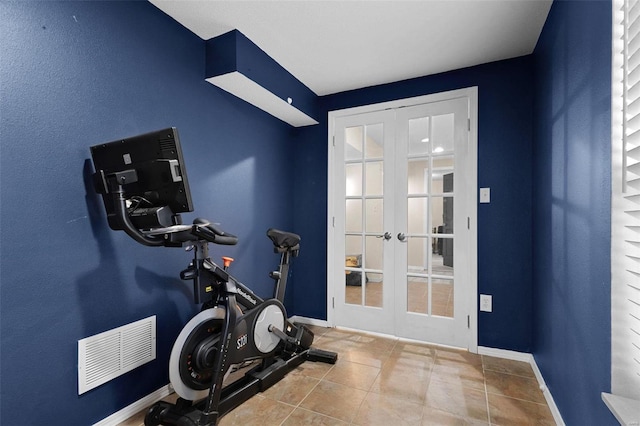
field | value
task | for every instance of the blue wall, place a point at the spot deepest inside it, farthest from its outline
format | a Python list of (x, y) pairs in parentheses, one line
[(74, 74), (572, 192), (504, 164)]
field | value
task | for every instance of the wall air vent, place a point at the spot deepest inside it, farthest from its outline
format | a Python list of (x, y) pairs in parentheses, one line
[(108, 355)]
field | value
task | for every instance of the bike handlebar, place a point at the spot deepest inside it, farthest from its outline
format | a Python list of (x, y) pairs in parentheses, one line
[(212, 233), (201, 228)]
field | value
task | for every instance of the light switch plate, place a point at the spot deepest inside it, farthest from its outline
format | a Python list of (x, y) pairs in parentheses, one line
[(485, 195), (486, 303)]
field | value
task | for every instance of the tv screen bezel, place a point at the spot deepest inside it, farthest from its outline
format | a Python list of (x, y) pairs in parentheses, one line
[(142, 158)]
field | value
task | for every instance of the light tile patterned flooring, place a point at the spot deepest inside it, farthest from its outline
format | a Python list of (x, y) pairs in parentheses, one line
[(379, 381)]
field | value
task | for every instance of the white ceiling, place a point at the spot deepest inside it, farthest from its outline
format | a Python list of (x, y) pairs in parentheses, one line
[(337, 45)]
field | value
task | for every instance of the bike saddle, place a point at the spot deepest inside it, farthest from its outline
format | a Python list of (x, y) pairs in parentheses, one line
[(283, 240)]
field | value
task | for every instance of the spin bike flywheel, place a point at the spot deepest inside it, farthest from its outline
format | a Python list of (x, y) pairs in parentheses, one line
[(193, 354)]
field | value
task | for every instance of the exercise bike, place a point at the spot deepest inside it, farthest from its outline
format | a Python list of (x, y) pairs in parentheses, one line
[(143, 190), (234, 327)]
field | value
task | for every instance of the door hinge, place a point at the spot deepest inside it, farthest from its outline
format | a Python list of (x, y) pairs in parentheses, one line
[(468, 321), (333, 302), (468, 125), (333, 221), (468, 223), (334, 141)]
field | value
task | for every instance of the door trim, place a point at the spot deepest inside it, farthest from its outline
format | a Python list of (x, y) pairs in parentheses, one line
[(472, 94)]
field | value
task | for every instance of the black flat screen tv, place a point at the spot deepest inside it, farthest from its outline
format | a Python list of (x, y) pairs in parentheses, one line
[(149, 169)]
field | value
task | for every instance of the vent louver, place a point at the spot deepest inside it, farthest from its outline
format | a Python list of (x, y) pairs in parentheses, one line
[(107, 355)]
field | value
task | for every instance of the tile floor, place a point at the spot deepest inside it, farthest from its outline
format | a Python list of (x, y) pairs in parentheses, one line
[(379, 381)]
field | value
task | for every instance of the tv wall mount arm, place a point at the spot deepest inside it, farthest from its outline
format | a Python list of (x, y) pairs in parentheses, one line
[(114, 184)]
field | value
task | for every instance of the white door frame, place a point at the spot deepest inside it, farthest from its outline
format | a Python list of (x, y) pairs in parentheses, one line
[(472, 94)]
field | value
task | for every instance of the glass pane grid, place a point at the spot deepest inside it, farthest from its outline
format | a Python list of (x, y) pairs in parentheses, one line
[(419, 172), (364, 163), (429, 205), (432, 296)]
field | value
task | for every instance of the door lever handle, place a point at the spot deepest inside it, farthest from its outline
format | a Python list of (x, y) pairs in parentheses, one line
[(386, 236), (402, 237)]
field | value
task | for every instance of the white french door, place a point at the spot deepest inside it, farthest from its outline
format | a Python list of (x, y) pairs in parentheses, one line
[(432, 259), (402, 256), (364, 248)]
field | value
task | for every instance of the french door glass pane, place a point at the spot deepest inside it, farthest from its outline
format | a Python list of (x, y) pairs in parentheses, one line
[(436, 183), (442, 297), (447, 214), (353, 288), (442, 133), (353, 181), (353, 215), (437, 220), (443, 163), (352, 247), (374, 141), (374, 176), (353, 270), (373, 289), (373, 252), (417, 209), (418, 250), (374, 217), (418, 175), (442, 258), (442, 214), (417, 295), (353, 146), (419, 138)]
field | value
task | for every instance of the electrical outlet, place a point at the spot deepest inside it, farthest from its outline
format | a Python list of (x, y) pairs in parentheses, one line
[(486, 303)]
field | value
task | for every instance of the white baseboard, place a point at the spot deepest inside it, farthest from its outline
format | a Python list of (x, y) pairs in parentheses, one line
[(366, 332), (136, 407), (309, 321), (527, 357), (547, 393), (505, 354)]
